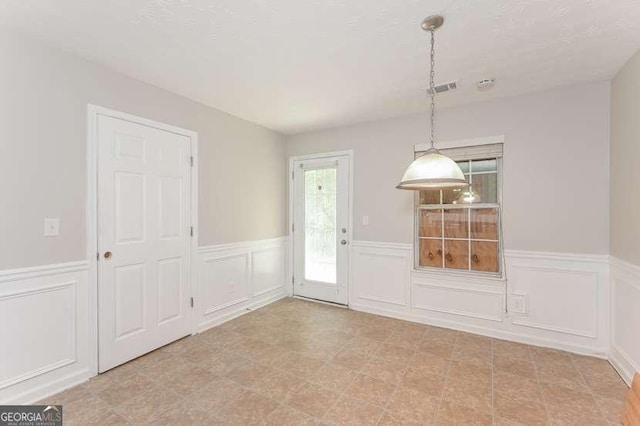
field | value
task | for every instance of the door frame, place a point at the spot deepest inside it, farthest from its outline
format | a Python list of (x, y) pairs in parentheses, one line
[(291, 190), (93, 112)]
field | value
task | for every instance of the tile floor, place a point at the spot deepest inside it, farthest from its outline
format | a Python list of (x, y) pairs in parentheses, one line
[(302, 363)]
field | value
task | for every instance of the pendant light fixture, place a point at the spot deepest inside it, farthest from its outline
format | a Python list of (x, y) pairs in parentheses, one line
[(433, 170)]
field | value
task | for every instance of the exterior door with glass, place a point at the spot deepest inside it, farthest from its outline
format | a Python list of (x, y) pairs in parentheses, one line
[(321, 233)]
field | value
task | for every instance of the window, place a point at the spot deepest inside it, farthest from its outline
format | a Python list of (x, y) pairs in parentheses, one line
[(459, 229)]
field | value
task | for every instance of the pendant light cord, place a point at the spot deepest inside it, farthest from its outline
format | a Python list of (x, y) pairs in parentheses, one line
[(432, 92)]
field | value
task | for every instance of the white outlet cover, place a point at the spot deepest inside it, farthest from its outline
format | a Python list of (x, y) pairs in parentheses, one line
[(519, 304), (365, 220), (51, 226)]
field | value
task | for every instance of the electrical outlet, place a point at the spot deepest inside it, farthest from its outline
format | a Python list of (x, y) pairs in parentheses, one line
[(519, 304), (51, 226)]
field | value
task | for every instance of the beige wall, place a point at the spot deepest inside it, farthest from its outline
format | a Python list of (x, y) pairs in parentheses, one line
[(625, 162), (43, 107), (556, 167)]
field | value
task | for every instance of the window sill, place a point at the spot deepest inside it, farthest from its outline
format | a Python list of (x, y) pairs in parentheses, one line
[(458, 276)]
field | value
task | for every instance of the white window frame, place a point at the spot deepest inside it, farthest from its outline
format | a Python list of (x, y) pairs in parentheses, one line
[(477, 145)]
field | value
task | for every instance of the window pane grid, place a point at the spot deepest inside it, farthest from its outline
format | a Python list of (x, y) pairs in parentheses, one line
[(469, 237)]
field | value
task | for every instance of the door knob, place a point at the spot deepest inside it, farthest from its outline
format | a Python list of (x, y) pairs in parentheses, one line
[(107, 254), (343, 242), (344, 230)]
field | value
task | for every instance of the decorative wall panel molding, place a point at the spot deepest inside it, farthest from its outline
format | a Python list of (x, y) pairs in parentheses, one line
[(234, 278), (380, 274), (625, 317), (48, 336), (564, 297), (49, 308)]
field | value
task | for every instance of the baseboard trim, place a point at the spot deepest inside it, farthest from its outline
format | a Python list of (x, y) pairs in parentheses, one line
[(34, 395), (623, 364), (242, 310), (484, 331)]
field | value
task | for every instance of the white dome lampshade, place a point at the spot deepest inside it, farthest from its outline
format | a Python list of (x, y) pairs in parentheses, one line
[(432, 171)]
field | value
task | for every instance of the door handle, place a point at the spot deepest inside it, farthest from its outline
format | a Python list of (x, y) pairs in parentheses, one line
[(343, 242), (107, 254)]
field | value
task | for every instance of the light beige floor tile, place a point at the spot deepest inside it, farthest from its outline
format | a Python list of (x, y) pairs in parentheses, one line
[(126, 389), (451, 414), (512, 407), (187, 380), (459, 370), (395, 419), (431, 363), (371, 390), (296, 362), (183, 413), (247, 409), (518, 386), (348, 411), (287, 416), (409, 406), (277, 385), (424, 381), (511, 350), (248, 373), (513, 365), (313, 400), (223, 363), (151, 404), (218, 393), (440, 348), (469, 393), (388, 371), (334, 377), (394, 353), (86, 410), (351, 359)]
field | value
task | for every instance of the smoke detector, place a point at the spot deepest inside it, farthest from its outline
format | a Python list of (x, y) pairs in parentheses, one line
[(486, 84), (444, 87)]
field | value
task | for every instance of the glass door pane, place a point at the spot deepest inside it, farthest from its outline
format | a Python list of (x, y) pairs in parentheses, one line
[(320, 225)]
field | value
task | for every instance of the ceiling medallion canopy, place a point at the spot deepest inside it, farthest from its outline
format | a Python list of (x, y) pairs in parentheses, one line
[(433, 170)]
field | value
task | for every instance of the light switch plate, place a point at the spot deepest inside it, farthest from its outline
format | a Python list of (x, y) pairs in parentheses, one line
[(518, 304), (365, 220), (51, 226)]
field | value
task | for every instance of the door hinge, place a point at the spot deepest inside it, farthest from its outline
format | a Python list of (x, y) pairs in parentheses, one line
[(98, 255), (292, 174), (191, 161), (191, 231), (192, 302), (293, 279), (293, 227)]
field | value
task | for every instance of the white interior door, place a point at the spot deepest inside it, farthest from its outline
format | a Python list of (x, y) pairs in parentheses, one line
[(143, 239), (321, 231)]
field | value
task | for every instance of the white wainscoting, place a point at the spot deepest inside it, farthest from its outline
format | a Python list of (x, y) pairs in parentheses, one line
[(46, 337), (234, 278), (625, 318), (565, 296), (45, 333)]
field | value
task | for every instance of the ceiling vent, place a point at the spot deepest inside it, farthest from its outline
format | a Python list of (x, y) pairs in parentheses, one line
[(445, 87)]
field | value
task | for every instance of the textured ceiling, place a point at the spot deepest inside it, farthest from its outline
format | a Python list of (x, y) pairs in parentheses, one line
[(297, 65)]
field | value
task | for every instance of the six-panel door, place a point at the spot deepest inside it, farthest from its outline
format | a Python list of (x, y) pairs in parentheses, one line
[(143, 239)]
